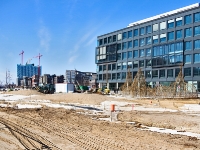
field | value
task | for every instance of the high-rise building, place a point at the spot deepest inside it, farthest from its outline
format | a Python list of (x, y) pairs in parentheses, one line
[(27, 70), (158, 45)]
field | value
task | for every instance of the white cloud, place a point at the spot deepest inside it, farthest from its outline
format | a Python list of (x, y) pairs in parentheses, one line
[(72, 58), (91, 41), (45, 38)]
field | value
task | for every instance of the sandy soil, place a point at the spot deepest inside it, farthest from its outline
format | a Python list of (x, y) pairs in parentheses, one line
[(53, 128)]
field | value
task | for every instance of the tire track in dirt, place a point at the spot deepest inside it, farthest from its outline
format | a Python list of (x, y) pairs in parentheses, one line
[(27, 138), (76, 135)]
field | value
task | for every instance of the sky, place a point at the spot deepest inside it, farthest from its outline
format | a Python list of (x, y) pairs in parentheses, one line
[(65, 32)]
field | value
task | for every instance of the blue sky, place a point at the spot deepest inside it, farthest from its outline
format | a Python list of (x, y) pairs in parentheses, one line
[(65, 31)]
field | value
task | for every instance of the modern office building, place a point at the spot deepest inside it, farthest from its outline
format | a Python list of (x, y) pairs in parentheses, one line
[(158, 45)]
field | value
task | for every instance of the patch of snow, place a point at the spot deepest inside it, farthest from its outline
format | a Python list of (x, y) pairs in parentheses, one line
[(9, 97), (22, 106), (190, 108), (162, 130)]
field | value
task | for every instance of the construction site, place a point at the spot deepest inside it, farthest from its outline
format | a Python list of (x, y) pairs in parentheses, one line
[(138, 117)]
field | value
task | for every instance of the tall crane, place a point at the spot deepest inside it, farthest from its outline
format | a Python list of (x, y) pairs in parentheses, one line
[(39, 56), (22, 53)]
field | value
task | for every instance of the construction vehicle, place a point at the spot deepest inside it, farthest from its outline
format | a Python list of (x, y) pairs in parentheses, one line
[(104, 90), (46, 89)]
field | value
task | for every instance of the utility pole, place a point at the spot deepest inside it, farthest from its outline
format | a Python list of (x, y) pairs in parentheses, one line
[(22, 53)]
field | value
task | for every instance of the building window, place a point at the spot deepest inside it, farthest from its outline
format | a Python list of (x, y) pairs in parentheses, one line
[(130, 34), (188, 32), (179, 21), (196, 71), (196, 17), (118, 76), (178, 47), (148, 52), (119, 37), (113, 76), (130, 45), (148, 74), (148, 40), (163, 37), (148, 29), (188, 19), (123, 75), (142, 42), (187, 71), (124, 66), (171, 59), (177, 71), (114, 38), (171, 35), (104, 67), (178, 58), (171, 48), (109, 66), (100, 42), (162, 25), (142, 54), (170, 73), (100, 68), (155, 39), (119, 46), (124, 35), (105, 40), (162, 73), (109, 39), (124, 55), (118, 56), (178, 34), (130, 64), (135, 32), (170, 23), (196, 30), (141, 63), (197, 44), (188, 45), (196, 58), (100, 76), (135, 64), (135, 43), (148, 62), (130, 54), (155, 27), (113, 66), (124, 46), (187, 59), (155, 73), (142, 31), (135, 53), (118, 66)]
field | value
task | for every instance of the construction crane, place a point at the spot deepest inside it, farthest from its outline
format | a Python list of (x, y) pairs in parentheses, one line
[(22, 53), (39, 56)]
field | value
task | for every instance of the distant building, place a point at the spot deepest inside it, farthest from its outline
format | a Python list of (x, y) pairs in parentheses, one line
[(25, 72), (82, 78), (28, 70)]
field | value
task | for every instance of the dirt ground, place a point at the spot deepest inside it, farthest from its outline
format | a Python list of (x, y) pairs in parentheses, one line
[(56, 128)]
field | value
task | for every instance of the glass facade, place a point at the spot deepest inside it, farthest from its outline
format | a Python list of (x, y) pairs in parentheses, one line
[(159, 47)]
